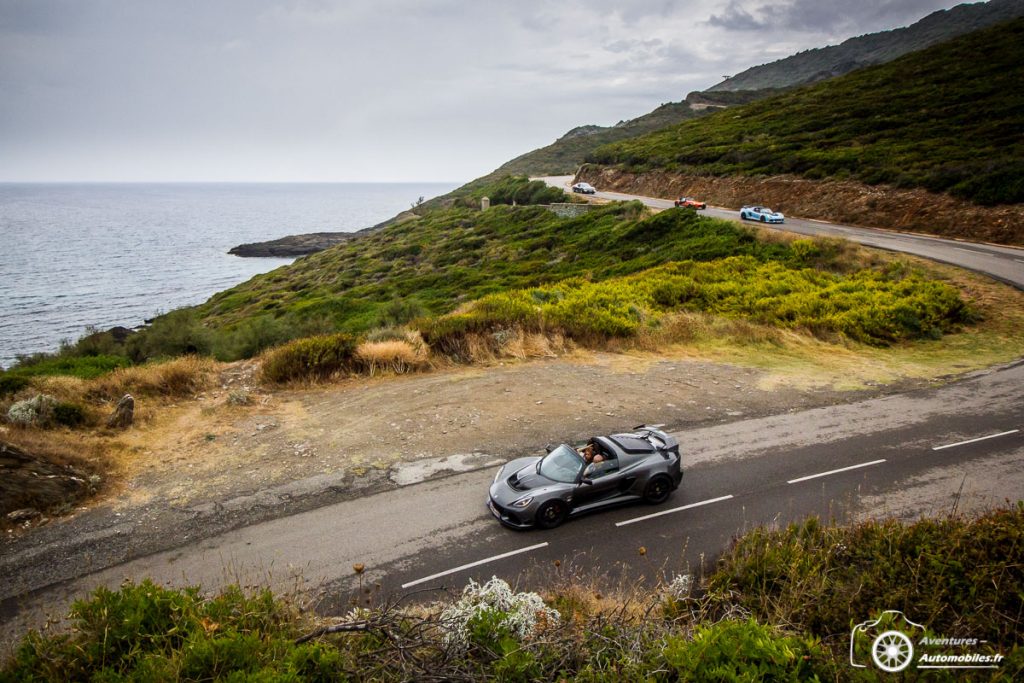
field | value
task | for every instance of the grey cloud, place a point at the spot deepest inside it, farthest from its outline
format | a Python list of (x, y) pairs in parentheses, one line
[(824, 16), (356, 89)]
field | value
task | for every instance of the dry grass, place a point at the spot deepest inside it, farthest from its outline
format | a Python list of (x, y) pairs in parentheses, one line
[(173, 379), (396, 356)]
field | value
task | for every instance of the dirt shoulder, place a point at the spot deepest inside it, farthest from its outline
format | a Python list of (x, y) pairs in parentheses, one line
[(206, 466)]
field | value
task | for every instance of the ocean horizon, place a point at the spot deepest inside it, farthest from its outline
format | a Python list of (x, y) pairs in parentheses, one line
[(93, 255)]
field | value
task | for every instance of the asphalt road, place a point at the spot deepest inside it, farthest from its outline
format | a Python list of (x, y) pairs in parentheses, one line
[(959, 446)]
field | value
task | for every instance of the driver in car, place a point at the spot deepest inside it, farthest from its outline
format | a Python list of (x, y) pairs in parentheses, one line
[(590, 454)]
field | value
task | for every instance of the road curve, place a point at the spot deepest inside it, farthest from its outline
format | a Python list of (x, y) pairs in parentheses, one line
[(958, 446), (1000, 262)]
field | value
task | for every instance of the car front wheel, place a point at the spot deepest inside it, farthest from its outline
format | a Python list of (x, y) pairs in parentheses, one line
[(658, 490), (551, 514)]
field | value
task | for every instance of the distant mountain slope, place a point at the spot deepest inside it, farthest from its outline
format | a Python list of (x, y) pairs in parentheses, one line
[(946, 119), (566, 154), (819, 64)]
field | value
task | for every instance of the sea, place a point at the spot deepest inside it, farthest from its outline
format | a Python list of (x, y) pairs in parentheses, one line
[(75, 257)]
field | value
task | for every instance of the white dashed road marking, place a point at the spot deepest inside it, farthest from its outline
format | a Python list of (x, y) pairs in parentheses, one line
[(668, 512), (495, 558), (980, 438), (841, 469)]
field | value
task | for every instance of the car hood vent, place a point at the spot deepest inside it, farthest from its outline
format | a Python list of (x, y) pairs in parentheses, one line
[(526, 479)]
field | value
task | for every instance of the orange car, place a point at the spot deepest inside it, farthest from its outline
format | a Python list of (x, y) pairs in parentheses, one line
[(690, 203)]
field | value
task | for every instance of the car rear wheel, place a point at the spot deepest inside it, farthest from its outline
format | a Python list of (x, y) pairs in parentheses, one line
[(658, 490), (551, 514)]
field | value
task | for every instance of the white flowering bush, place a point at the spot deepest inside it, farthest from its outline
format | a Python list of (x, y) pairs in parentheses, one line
[(33, 411), (679, 587), (495, 607)]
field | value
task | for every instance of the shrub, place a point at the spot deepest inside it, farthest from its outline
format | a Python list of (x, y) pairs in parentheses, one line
[(37, 411), (486, 613), (176, 333), (68, 414), (742, 651), (951, 574), (11, 383), (312, 358), (148, 632), (250, 337), (396, 355)]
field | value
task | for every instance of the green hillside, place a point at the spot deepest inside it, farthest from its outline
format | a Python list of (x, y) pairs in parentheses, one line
[(822, 63), (947, 119), (565, 154)]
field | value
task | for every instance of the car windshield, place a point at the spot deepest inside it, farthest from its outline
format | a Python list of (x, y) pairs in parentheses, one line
[(562, 465)]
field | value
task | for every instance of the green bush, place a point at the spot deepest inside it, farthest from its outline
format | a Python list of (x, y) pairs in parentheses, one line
[(953, 575), (523, 191), (68, 414), (743, 651), (11, 383), (311, 358), (250, 337), (177, 333), (144, 632)]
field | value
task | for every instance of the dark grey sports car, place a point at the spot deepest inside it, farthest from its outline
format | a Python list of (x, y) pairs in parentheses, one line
[(545, 491)]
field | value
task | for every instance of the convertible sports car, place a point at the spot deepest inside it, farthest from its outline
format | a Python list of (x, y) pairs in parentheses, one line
[(545, 491), (585, 188), (761, 213), (690, 203)]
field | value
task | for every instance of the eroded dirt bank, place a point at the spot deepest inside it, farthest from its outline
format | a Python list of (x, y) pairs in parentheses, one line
[(837, 201)]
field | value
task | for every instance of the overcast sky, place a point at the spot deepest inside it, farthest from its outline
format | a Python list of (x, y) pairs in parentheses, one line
[(365, 90)]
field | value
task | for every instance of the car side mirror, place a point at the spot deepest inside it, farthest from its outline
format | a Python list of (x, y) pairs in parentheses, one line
[(549, 448), (588, 482)]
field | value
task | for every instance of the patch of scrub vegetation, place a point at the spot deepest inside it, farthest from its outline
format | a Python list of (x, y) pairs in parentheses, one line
[(959, 577), (946, 119), (778, 606), (876, 307)]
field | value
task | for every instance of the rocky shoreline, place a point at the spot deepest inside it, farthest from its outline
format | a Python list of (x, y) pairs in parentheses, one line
[(293, 245), (310, 242)]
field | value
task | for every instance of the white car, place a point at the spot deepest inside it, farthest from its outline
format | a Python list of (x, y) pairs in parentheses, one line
[(761, 213), (585, 188)]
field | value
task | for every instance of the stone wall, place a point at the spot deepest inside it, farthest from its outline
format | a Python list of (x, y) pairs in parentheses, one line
[(569, 210)]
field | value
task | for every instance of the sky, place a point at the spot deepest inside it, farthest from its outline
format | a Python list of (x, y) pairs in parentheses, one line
[(365, 90)]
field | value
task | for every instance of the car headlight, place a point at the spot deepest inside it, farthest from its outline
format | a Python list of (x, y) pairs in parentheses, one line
[(497, 476), (523, 502)]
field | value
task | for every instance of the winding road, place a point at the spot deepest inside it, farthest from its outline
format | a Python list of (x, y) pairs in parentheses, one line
[(957, 446)]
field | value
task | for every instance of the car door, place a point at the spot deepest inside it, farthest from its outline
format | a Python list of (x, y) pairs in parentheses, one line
[(604, 483)]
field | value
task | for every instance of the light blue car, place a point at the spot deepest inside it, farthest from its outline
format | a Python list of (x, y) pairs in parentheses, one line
[(762, 214)]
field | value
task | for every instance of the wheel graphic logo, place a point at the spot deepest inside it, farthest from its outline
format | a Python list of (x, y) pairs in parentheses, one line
[(892, 651)]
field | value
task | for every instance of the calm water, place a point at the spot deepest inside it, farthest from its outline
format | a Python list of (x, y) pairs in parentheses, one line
[(79, 255)]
